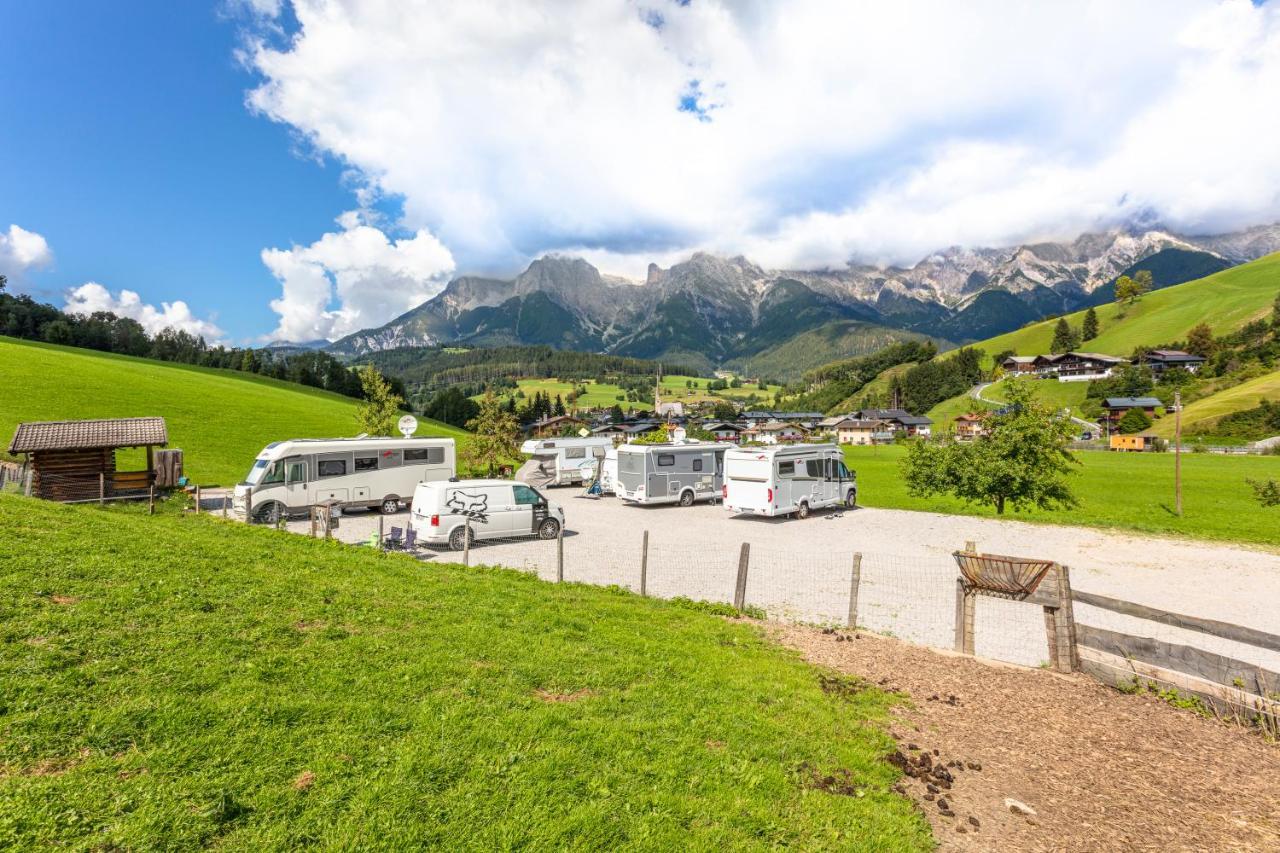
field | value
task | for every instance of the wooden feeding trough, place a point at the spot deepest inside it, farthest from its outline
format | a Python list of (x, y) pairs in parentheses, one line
[(1035, 581)]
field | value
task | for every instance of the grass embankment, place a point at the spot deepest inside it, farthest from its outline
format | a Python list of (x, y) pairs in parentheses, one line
[(1225, 300), (1200, 416), (177, 682), (220, 418), (1127, 491)]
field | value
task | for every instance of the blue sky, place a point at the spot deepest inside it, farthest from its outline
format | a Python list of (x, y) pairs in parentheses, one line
[(129, 148), (188, 154)]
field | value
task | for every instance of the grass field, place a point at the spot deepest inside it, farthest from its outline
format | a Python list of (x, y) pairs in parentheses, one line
[(602, 394), (1199, 417), (180, 682), (220, 418), (944, 414), (1050, 392), (1225, 300), (1131, 491)]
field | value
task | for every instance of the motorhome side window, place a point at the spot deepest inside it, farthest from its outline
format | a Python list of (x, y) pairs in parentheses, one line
[(575, 453), (427, 455), (786, 469), (697, 464), (366, 463), (814, 467), (297, 471), (332, 468), (390, 459), (666, 460), (275, 474)]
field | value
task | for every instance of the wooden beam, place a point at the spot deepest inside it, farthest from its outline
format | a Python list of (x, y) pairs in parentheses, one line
[(1225, 630), (1188, 660)]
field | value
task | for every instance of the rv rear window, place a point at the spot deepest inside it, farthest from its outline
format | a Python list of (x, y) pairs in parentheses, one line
[(666, 460), (786, 469), (427, 455), (366, 463), (332, 467)]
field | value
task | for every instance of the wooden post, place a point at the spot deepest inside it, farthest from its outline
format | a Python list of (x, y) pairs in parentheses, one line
[(151, 500), (740, 588), (644, 564), (313, 522), (466, 542), (970, 613), (102, 488), (248, 505), (1068, 655), (197, 500), (1051, 631), (226, 501), (380, 529), (560, 556), (960, 599), (1177, 452), (31, 475), (854, 581)]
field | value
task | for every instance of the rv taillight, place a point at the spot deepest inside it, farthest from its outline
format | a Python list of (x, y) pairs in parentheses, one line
[(771, 496), (724, 491), (435, 521)]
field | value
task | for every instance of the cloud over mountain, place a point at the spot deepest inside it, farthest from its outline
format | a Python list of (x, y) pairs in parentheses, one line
[(800, 133)]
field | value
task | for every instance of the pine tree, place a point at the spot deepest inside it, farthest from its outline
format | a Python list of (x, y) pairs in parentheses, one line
[(495, 435), (1089, 328), (1064, 337), (378, 412)]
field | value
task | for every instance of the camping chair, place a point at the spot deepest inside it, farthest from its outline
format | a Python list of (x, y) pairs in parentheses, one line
[(410, 539), (393, 541)]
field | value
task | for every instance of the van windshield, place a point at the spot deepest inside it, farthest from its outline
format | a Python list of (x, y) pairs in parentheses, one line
[(256, 472)]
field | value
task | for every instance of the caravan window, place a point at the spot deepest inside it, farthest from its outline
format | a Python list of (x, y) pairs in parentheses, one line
[(697, 464), (575, 453), (786, 469), (390, 459), (814, 467), (366, 463), (297, 471), (424, 455), (332, 468), (666, 460)]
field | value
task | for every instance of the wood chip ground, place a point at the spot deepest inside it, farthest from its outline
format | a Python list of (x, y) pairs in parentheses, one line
[(1103, 770)]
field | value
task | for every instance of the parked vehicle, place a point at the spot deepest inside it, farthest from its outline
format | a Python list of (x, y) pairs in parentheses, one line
[(789, 480), (288, 477), (609, 472), (498, 509), (561, 461), (670, 473)]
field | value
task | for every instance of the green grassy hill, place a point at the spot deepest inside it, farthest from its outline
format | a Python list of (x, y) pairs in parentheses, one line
[(674, 387), (179, 682), (1225, 300), (1199, 417), (791, 359), (220, 418)]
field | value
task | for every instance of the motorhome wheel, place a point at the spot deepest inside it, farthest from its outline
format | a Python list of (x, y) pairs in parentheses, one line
[(549, 529), (851, 499), (686, 498), (269, 513), (802, 511), (390, 506)]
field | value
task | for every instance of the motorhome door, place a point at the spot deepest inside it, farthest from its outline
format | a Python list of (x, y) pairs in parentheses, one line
[(296, 483)]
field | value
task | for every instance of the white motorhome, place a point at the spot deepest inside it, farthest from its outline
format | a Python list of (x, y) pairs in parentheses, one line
[(670, 473), (564, 460), (790, 480), (290, 476), (497, 509)]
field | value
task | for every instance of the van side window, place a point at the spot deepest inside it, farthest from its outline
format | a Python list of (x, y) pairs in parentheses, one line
[(666, 460), (526, 496), (366, 463), (575, 453), (332, 467), (424, 456), (845, 473), (814, 467), (786, 469), (275, 474), (697, 464)]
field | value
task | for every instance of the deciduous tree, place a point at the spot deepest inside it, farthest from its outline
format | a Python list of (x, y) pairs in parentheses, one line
[(496, 433), (1130, 290), (378, 412), (1134, 420), (1200, 340)]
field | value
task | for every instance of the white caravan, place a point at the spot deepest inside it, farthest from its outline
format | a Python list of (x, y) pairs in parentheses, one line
[(498, 509), (670, 473), (562, 461), (290, 476), (794, 479)]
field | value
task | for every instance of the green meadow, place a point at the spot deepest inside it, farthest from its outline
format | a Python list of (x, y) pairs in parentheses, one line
[(604, 394)]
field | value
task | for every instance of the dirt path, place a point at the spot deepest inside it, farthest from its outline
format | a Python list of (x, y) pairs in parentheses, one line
[(1102, 770)]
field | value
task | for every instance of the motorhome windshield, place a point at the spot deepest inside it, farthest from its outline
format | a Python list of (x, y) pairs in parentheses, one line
[(255, 473)]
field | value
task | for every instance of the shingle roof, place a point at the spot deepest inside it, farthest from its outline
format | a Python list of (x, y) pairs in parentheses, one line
[(73, 435), (1172, 355), (1131, 403)]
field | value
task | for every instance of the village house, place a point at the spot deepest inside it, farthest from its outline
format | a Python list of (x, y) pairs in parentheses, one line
[(1084, 366), (554, 426), (723, 430), (899, 420), (858, 431), (1160, 360), (775, 432), (971, 425), (1021, 365)]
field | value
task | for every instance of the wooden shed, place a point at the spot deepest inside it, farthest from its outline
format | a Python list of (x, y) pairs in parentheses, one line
[(76, 460), (1133, 442)]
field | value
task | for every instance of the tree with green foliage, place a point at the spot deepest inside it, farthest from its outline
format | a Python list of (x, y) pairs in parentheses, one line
[(657, 436), (451, 406), (378, 412), (1267, 492), (1065, 338), (1130, 290), (616, 414), (1023, 461), (1089, 327), (496, 436), (1200, 340), (4, 281), (1275, 312), (723, 410), (1134, 420)]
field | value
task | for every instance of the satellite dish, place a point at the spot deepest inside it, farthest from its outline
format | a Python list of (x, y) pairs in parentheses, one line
[(408, 425), (678, 434)]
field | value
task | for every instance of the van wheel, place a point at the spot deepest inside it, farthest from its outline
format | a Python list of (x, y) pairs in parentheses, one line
[(390, 506), (686, 498), (270, 513), (802, 511), (549, 529), (851, 499), (458, 538)]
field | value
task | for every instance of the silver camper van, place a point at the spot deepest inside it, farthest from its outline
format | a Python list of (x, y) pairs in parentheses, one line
[(787, 480), (290, 476), (562, 461), (670, 473)]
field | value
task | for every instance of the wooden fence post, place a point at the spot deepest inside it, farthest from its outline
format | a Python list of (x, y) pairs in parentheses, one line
[(226, 500), (197, 500), (30, 476), (1068, 655), (380, 529), (644, 564), (151, 500), (102, 488), (855, 581), (313, 522), (560, 556), (466, 541), (248, 505), (740, 588), (960, 599)]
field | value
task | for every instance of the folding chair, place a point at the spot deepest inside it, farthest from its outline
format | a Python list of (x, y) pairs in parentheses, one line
[(393, 541), (410, 539)]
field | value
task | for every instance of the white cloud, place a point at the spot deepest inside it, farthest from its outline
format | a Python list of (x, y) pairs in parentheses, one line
[(353, 279), (813, 130), (91, 297), (21, 251)]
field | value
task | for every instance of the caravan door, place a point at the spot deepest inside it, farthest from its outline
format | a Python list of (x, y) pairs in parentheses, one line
[(297, 484)]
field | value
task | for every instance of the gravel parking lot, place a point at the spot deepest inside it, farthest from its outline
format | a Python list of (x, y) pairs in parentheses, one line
[(800, 570)]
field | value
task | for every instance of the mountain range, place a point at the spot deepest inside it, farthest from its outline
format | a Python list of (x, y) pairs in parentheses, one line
[(730, 311)]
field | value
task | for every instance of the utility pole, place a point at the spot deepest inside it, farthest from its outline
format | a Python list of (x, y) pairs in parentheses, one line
[(1177, 452)]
